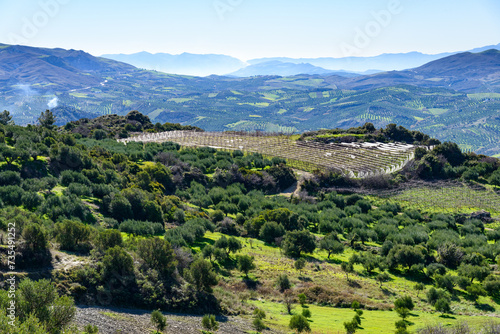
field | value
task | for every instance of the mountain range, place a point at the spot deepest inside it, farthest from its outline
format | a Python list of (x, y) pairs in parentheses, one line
[(453, 98), (204, 65), (185, 63)]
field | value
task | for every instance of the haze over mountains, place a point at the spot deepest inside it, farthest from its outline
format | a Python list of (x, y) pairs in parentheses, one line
[(204, 65), (453, 98)]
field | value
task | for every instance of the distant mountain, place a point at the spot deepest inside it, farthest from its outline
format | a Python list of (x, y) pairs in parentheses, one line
[(186, 63), (463, 72), (24, 65), (383, 62), (286, 69)]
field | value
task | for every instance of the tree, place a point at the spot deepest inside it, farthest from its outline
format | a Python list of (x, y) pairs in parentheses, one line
[(302, 299), (403, 312), (72, 235), (6, 118), (299, 323), (35, 237), (297, 242), (230, 245), (347, 268), (158, 320), (474, 272), (157, 254), (245, 264), (283, 282), (351, 326), (442, 305), (419, 287), (331, 245), (117, 261), (258, 323), (299, 264), (403, 306), (108, 238), (41, 300), (476, 290), (209, 322), (202, 275), (405, 256), (306, 312), (47, 119), (270, 231), (382, 277)]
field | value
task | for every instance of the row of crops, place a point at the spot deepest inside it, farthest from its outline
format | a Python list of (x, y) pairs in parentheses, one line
[(355, 160)]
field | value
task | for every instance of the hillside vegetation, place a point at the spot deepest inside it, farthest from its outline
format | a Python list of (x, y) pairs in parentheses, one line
[(205, 231), (453, 99)]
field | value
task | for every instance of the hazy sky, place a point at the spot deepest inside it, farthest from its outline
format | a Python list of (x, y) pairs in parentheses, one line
[(253, 28)]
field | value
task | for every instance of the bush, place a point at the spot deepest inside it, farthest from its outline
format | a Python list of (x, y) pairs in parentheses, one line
[(41, 300), (297, 242), (117, 261), (245, 264), (270, 231), (442, 305), (299, 323), (158, 320), (283, 282), (157, 254), (202, 275), (90, 329), (209, 322), (73, 236), (306, 312), (145, 228)]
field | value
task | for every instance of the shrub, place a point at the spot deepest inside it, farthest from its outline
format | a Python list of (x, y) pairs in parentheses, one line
[(270, 231), (202, 275), (73, 235), (283, 282), (299, 323), (245, 264), (297, 242), (117, 261), (442, 305), (157, 254), (158, 320), (209, 322), (40, 299), (306, 312), (145, 228)]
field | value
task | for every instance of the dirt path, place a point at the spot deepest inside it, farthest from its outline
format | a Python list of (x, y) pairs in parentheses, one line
[(133, 321), (294, 189)]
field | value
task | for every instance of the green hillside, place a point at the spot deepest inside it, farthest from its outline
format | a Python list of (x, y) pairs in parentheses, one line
[(199, 230)]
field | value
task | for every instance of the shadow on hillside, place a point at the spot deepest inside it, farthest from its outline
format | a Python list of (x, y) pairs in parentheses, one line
[(251, 284), (485, 307)]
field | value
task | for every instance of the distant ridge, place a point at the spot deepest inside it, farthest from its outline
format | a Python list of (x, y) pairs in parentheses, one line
[(286, 69), (185, 63)]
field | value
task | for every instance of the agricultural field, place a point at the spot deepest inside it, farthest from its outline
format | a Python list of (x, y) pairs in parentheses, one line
[(289, 105), (353, 159)]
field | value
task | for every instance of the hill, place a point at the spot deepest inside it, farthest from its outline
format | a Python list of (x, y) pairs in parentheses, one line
[(185, 63), (286, 69), (470, 72), (415, 99), (55, 68), (192, 230)]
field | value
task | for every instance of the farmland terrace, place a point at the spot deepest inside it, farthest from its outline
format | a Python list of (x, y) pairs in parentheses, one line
[(359, 160)]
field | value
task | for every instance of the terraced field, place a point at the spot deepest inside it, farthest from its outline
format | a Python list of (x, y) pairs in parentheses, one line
[(359, 160)]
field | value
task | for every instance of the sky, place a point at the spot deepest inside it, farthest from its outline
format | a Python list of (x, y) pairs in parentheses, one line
[(249, 29)]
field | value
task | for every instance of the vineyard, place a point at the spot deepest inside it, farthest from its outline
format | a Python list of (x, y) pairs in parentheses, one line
[(358, 160)]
